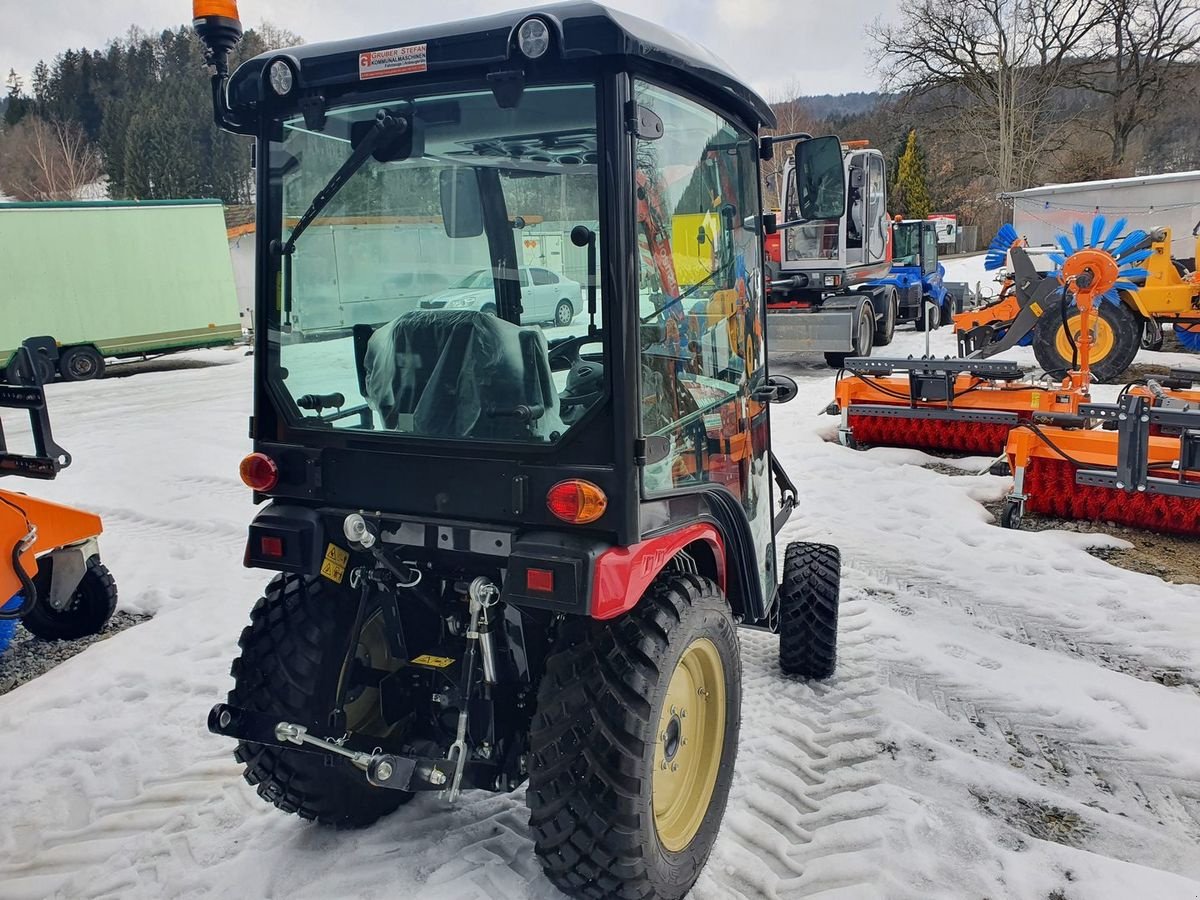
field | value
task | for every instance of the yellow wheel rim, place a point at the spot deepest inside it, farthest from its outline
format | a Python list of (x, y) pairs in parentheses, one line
[(1103, 338), (689, 745)]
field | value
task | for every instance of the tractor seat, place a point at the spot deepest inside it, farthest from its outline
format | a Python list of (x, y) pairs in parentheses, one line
[(461, 374)]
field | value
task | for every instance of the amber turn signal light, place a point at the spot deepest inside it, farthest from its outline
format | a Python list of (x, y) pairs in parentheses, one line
[(259, 472), (576, 501)]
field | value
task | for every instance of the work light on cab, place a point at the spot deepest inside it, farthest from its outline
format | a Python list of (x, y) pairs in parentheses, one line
[(259, 472), (577, 501), (533, 38), (282, 80)]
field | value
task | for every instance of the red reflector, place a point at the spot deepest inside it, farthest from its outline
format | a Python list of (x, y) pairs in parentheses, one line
[(271, 546), (540, 580), (259, 472)]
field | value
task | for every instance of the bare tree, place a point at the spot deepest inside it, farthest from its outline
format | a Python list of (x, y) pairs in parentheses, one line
[(41, 160), (998, 64), (792, 117), (1142, 51)]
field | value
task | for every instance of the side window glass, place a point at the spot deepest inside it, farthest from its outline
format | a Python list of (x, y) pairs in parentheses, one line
[(698, 299), (524, 278), (541, 276)]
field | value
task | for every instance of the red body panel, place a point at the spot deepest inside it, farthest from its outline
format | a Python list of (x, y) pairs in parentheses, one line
[(623, 573)]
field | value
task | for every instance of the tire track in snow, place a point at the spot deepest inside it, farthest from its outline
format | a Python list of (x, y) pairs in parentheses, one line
[(1043, 632), (803, 813), (78, 862), (1048, 749)]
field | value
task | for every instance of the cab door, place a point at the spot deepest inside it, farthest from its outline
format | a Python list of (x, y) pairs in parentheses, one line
[(702, 356)]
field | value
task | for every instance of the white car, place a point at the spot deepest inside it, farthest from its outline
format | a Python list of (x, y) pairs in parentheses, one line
[(545, 296)]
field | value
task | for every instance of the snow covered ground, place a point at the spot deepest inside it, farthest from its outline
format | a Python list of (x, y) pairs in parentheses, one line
[(1012, 717)]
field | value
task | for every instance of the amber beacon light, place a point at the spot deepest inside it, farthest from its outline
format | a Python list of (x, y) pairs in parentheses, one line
[(219, 26)]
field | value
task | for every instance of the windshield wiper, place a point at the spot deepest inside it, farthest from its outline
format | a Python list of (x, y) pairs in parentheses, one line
[(385, 127)]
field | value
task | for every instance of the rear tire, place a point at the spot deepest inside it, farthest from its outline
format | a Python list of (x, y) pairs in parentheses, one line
[(808, 612), (607, 722), (934, 312), (90, 608), (864, 338), (885, 330), (293, 654), (564, 313), (81, 364)]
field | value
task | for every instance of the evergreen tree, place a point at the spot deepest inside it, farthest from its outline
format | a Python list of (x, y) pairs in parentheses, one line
[(911, 196), (17, 104)]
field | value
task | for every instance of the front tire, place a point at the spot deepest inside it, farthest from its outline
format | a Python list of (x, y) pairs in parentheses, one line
[(808, 611), (633, 744), (89, 610), (294, 652), (930, 316)]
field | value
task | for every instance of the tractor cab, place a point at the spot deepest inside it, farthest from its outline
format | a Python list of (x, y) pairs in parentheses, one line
[(917, 275), (517, 508)]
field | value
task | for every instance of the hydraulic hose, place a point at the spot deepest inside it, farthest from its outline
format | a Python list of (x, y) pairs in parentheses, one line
[(27, 586)]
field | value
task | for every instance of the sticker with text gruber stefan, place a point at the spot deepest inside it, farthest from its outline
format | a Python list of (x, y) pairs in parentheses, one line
[(393, 61)]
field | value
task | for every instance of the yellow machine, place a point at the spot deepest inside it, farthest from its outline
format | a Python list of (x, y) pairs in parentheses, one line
[(1167, 294), (51, 577)]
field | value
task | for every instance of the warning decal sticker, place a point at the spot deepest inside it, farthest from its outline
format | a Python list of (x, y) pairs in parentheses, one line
[(334, 567), (393, 61)]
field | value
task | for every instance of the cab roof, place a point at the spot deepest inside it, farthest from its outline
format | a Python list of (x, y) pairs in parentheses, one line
[(580, 30)]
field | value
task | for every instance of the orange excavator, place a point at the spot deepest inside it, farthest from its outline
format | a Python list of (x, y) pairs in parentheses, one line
[(51, 577)]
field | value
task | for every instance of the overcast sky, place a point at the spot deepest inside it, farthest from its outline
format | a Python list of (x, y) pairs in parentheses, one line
[(816, 45)]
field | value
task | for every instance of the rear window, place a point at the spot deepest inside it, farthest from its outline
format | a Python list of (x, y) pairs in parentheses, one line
[(544, 276)]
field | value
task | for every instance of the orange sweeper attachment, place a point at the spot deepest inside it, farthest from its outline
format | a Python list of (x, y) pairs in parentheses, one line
[(970, 405)]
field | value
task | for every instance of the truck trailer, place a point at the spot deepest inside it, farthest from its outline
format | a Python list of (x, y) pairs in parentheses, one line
[(88, 281)]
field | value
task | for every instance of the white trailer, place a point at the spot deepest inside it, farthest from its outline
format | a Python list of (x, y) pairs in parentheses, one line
[(1148, 202)]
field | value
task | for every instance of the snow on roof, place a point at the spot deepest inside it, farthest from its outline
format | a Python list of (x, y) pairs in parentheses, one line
[(1108, 183)]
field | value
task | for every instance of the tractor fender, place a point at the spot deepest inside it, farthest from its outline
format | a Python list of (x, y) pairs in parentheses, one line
[(622, 574)]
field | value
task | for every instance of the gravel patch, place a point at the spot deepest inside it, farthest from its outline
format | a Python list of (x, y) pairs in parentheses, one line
[(28, 656)]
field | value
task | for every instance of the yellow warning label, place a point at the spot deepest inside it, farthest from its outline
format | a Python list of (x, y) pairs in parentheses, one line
[(1037, 309), (437, 662), (334, 567), (1035, 400)]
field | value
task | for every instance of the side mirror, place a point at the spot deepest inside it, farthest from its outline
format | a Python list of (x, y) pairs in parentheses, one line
[(462, 206), (786, 388), (820, 179)]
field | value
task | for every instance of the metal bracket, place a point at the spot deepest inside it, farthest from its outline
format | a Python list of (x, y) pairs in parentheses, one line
[(49, 458)]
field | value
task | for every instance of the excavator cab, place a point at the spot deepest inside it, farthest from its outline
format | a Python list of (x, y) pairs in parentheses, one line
[(516, 519)]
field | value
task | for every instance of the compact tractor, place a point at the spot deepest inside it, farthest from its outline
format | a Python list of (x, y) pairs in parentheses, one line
[(52, 580), (825, 289), (516, 554), (917, 276)]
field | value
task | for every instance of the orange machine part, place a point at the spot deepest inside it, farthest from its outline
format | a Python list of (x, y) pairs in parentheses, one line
[(1005, 309), (226, 9), (57, 526), (1051, 489)]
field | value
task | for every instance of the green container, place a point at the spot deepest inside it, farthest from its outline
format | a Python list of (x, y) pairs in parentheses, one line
[(127, 278)]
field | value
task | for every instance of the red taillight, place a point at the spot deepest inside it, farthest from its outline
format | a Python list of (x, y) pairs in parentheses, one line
[(271, 546), (576, 501), (540, 580), (259, 472)]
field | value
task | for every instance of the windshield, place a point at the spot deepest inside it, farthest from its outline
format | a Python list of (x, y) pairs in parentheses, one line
[(406, 306), (907, 249), (480, 279), (817, 241)]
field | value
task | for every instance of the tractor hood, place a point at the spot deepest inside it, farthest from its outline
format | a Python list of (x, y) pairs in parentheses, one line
[(579, 32)]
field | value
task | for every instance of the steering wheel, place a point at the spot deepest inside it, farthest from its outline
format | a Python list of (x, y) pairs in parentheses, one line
[(565, 353)]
